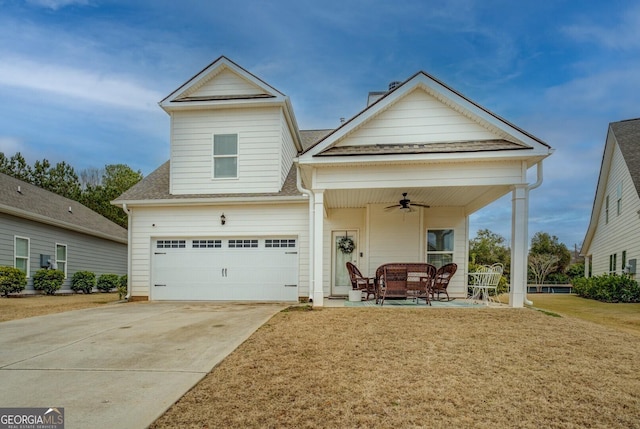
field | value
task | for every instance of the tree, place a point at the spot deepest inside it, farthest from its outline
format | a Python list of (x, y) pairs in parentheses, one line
[(16, 166), (91, 176), (541, 265), (543, 243), (116, 180), (64, 181), (489, 248)]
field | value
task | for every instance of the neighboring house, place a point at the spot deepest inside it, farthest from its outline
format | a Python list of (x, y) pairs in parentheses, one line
[(612, 242), (249, 207), (40, 229)]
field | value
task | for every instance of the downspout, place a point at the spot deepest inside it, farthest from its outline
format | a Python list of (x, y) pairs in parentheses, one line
[(128, 212), (529, 188), (308, 193)]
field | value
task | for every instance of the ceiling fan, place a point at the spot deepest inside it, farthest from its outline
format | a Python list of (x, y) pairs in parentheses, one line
[(405, 204)]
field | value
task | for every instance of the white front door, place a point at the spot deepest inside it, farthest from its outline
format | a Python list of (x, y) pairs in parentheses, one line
[(340, 282)]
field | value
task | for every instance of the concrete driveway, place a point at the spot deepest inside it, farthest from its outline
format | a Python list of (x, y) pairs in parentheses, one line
[(122, 365)]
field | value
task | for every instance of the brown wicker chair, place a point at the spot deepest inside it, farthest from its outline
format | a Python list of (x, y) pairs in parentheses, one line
[(441, 280), (358, 281), (394, 280), (422, 288)]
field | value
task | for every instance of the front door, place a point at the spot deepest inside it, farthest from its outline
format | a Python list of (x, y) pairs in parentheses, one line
[(345, 249)]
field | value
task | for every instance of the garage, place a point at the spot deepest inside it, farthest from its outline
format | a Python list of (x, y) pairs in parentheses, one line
[(225, 269)]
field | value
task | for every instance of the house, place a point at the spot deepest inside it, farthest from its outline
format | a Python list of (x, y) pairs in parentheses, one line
[(40, 229), (250, 207), (612, 241)]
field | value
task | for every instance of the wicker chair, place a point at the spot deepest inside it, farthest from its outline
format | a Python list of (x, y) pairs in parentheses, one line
[(425, 282), (394, 280), (441, 280), (358, 281)]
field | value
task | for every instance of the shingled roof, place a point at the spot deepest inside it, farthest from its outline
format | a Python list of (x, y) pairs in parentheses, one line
[(627, 134), (24, 200), (414, 148)]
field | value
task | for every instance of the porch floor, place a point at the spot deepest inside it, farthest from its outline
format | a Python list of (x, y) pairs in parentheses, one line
[(410, 303)]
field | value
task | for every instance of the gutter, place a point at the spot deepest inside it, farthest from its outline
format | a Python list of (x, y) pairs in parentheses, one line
[(529, 188), (128, 212), (308, 193)]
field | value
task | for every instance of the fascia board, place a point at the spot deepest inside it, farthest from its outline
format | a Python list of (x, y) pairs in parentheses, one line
[(60, 224), (223, 104), (524, 154), (195, 201)]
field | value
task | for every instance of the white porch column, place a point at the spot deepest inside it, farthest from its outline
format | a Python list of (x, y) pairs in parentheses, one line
[(519, 247), (318, 248)]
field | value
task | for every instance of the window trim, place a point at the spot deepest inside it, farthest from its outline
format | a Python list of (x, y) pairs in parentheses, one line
[(66, 258), (27, 258), (440, 252), (214, 156)]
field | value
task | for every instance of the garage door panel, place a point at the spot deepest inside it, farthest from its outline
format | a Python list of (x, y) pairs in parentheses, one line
[(255, 274)]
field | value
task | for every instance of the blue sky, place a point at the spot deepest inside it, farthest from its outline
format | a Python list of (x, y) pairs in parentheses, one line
[(80, 79)]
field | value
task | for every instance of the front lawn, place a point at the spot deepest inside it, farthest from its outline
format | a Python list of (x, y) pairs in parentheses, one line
[(398, 367), (39, 305)]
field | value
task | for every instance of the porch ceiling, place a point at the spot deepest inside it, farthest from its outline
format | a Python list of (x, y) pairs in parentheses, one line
[(470, 197)]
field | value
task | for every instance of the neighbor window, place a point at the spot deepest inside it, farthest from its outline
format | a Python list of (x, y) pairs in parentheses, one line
[(606, 210), (225, 156), (624, 260), (439, 247), (21, 253), (612, 263), (619, 200), (61, 258)]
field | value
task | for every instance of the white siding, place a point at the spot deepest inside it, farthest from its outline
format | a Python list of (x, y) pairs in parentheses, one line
[(622, 233), (204, 221), (391, 236), (259, 155), (433, 175), (417, 118), (226, 83), (288, 148)]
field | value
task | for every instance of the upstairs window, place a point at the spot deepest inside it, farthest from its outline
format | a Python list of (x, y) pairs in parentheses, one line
[(21, 254), (225, 156), (619, 199)]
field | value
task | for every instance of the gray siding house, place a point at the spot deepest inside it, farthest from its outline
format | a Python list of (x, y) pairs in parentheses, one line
[(39, 229)]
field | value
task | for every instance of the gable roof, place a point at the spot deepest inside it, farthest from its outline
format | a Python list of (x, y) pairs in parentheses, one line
[(240, 89), (27, 201), (513, 137), (626, 134)]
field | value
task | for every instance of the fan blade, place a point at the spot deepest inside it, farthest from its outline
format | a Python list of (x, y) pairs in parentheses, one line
[(420, 205), (392, 207)]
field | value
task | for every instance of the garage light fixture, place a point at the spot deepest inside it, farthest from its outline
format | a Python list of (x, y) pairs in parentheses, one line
[(223, 219)]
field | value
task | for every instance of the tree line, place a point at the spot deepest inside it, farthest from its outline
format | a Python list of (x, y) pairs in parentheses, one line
[(549, 259), (92, 187)]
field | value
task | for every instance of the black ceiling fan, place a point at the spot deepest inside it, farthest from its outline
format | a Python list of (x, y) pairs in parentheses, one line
[(405, 204)]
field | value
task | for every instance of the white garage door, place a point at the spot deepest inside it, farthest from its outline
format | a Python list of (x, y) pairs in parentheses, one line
[(246, 269)]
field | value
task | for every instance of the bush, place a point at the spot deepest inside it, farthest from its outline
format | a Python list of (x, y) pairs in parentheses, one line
[(12, 280), (83, 281), (607, 288), (107, 282), (122, 287), (48, 281)]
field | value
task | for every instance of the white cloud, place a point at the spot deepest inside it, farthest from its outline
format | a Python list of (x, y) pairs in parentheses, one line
[(83, 84), (57, 4), (622, 35), (10, 145)]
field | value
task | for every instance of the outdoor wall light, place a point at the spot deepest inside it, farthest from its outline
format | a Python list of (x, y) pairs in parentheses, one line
[(223, 219)]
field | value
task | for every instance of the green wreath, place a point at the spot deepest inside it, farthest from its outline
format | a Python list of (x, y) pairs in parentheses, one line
[(346, 245)]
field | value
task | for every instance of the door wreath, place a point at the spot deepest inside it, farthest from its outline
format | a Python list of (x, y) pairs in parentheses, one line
[(346, 245)]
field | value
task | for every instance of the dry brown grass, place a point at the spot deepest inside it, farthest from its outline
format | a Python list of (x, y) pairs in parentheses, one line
[(398, 367), (39, 305)]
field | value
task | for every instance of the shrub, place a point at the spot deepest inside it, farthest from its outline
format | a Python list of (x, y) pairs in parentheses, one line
[(48, 281), (607, 288), (106, 282), (12, 280), (122, 286), (83, 281)]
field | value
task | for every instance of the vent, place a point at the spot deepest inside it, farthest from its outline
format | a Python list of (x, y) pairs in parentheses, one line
[(393, 85)]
